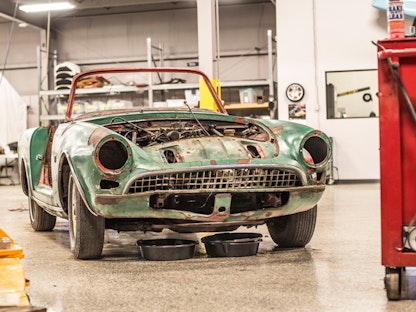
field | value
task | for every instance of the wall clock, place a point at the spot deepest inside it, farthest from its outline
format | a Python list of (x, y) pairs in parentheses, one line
[(295, 92)]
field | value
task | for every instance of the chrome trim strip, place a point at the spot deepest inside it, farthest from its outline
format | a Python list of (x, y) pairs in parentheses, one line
[(58, 210), (298, 189)]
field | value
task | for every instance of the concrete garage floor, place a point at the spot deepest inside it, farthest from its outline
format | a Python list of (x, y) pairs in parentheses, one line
[(340, 270)]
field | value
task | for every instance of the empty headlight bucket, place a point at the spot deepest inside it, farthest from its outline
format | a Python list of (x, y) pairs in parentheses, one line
[(112, 155), (316, 150)]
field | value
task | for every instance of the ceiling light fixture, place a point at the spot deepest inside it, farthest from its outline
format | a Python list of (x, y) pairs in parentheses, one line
[(45, 7)]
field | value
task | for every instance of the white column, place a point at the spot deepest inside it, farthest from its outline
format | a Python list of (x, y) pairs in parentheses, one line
[(149, 64), (206, 36), (296, 61), (43, 79)]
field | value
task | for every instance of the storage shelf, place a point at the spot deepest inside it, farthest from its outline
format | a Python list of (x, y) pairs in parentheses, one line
[(114, 89), (233, 106), (55, 117), (137, 91), (178, 86), (246, 106), (245, 83)]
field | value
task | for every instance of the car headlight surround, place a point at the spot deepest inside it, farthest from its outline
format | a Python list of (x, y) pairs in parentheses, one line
[(315, 150), (112, 155)]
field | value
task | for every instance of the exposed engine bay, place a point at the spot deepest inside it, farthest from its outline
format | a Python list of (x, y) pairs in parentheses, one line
[(150, 132)]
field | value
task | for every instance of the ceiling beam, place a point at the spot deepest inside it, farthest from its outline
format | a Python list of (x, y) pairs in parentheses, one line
[(91, 8), (94, 4), (18, 21), (7, 12)]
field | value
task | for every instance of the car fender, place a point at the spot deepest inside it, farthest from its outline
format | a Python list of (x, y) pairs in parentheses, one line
[(75, 149), (292, 137), (76, 177)]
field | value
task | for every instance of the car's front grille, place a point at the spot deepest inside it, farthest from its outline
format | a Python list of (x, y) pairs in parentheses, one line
[(216, 179)]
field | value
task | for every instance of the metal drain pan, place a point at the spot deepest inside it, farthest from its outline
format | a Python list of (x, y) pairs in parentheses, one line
[(167, 249), (232, 244)]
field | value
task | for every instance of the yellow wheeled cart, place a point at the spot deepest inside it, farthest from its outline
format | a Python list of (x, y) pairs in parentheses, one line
[(13, 282)]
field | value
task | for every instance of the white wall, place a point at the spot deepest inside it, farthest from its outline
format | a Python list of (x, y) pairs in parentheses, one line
[(22, 57), (21, 66), (123, 37), (315, 36)]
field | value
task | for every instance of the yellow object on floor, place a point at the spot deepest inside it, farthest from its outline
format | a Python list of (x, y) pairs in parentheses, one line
[(13, 282)]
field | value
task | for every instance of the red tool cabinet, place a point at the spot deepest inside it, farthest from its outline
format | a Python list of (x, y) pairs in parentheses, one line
[(397, 105)]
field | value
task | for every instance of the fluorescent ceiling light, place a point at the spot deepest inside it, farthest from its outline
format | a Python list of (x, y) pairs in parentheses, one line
[(45, 7)]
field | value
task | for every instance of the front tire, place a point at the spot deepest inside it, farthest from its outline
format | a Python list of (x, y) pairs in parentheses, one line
[(86, 231), (295, 230)]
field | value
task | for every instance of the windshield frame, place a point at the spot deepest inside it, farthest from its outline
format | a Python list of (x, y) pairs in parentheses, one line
[(207, 81)]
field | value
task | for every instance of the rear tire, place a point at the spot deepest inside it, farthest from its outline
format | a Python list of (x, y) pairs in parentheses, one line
[(293, 230), (86, 231), (39, 218)]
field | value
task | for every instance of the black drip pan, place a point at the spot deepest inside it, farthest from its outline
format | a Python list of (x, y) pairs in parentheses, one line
[(232, 244), (167, 249)]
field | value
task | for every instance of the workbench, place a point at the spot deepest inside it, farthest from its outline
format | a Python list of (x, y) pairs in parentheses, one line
[(10, 162)]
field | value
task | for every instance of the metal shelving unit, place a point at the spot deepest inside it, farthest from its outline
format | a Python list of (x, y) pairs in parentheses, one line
[(48, 97)]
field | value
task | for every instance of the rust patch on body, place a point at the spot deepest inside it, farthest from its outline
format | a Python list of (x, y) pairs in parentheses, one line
[(243, 161), (277, 130), (45, 174), (107, 200), (97, 135)]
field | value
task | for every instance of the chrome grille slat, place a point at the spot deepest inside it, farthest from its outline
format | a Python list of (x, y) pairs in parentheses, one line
[(216, 179)]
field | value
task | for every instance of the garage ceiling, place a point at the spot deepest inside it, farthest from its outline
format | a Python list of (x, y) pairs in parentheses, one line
[(101, 7)]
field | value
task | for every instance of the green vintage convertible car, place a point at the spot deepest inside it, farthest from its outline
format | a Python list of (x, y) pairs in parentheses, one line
[(125, 163)]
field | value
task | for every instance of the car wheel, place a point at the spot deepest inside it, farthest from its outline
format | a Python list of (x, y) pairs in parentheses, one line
[(86, 231), (293, 230), (39, 218)]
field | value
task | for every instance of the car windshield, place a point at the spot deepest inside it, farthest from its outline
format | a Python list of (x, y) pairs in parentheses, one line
[(118, 88)]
